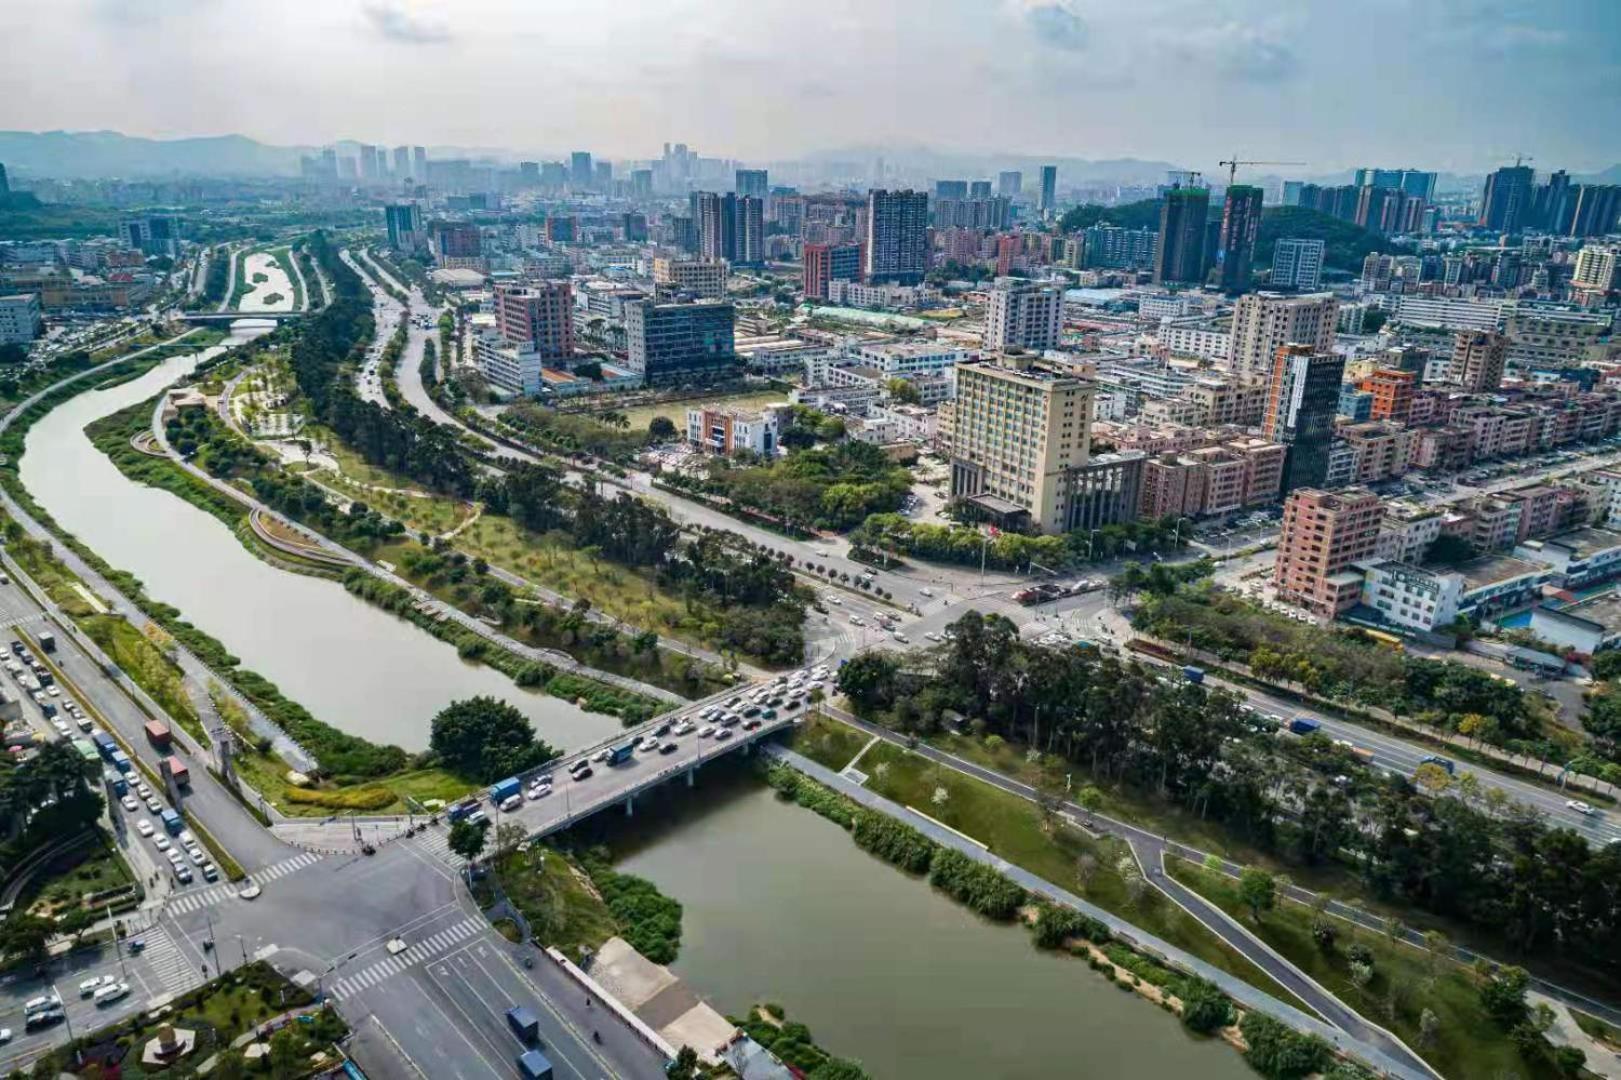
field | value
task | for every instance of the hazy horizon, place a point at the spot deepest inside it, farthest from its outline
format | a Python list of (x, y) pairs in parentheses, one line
[(1452, 85)]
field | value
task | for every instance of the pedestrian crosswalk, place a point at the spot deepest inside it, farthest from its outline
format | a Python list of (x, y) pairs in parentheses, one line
[(165, 962), (437, 844), (201, 898), (424, 950)]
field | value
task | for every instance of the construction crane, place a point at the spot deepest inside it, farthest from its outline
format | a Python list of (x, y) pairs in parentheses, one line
[(1232, 167)]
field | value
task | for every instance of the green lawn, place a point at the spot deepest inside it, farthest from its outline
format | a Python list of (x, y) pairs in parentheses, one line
[(1012, 828), (92, 867), (1468, 1044), (828, 742), (267, 775), (556, 898)]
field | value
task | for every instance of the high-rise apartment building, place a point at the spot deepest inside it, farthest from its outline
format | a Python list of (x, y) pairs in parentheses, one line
[(826, 263), (1303, 396), (5, 185), (21, 319), (419, 164), (1264, 322), (716, 218), (1595, 209), (897, 249), (453, 240), (402, 162), (641, 183), (1297, 264), (701, 279), (1024, 315), (1505, 204), (1180, 254), (602, 176), (1020, 431), (1597, 269), (1324, 535), (537, 317), (1010, 183), (1049, 188), (1240, 224), (752, 182), (680, 342), (1393, 392), (750, 231), (580, 172), (368, 161), (951, 189), (979, 189), (1412, 182), (1478, 359), (404, 226), (634, 227)]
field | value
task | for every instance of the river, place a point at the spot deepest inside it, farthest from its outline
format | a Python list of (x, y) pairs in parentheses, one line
[(780, 906), (352, 665), (277, 284)]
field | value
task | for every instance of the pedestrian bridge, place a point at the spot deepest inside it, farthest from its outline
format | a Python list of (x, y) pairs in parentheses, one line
[(203, 318)]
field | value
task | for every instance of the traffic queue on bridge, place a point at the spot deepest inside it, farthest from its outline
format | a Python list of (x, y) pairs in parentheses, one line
[(750, 708)]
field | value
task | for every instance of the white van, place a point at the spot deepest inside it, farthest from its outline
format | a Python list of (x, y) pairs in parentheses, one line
[(511, 803), (109, 994)]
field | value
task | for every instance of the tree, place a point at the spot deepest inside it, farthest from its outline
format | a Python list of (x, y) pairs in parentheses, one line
[(1431, 779), (661, 429), (467, 838), (1502, 994), (1086, 868), (1090, 799), (26, 936), (486, 739), (1131, 875), (685, 1065), (868, 680), (1258, 890), (1429, 1028), (508, 835), (903, 392)]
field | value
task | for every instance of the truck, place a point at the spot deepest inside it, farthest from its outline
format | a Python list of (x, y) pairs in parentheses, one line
[(1194, 675), (47, 641), (524, 1024), (121, 761), (87, 750), (1303, 725), (502, 790), (173, 767), (104, 743), (622, 753), (116, 779), (173, 823), (533, 1065), (460, 810), (1363, 754), (158, 734)]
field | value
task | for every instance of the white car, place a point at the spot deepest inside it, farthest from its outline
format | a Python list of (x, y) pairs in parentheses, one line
[(94, 983), (251, 892), (538, 791), (54, 690), (154, 806), (130, 804), (708, 732), (197, 857), (723, 734), (855, 620), (683, 728), (109, 994), (162, 843), (1579, 806), (143, 826), (174, 856), (187, 838), (5, 1036), (926, 592), (602, 755), (835, 601)]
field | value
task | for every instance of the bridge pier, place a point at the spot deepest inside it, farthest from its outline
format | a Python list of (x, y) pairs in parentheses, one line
[(692, 776), (630, 805)]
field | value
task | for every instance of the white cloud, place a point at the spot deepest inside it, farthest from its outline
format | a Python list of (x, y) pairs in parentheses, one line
[(393, 21)]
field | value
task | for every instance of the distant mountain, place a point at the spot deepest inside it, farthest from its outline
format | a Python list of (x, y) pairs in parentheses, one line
[(102, 154), (951, 164), (1612, 175)]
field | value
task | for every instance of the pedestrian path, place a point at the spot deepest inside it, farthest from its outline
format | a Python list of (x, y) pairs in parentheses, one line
[(163, 958), (423, 951), (201, 898)]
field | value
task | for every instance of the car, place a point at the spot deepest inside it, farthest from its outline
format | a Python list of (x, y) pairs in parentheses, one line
[(926, 592), (600, 756), (1579, 806), (582, 772), (252, 892), (669, 747), (162, 843), (109, 994), (154, 806), (835, 601), (708, 731), (141, 789), (538, 791), (182, 874), (855, 620), (684, 727), (143, 826), (94, 983), (129, 803), (210, 872), (930, 635), (5, 1036), (174, 856), (900, 637), (723, 734), (187, 838), (196, 855), (54, 690)]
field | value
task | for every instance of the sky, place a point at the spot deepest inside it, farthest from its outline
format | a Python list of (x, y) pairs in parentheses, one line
[(1458, 85)]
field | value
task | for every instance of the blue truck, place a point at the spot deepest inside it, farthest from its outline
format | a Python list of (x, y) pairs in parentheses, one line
[(621, 753), (173, 823), (1303, 725), (121, 761), (533, 1065), (104, 743), (120, 786), (524, 1024), (502, 790), (1193, 674)]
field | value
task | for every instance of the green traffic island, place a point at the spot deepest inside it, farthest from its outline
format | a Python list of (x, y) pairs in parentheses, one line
[(1465, 1022), (249, 1021)]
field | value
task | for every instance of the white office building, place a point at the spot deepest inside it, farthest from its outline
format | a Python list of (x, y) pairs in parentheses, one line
[(20, 319), (1297, 264), (1024, 315)]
